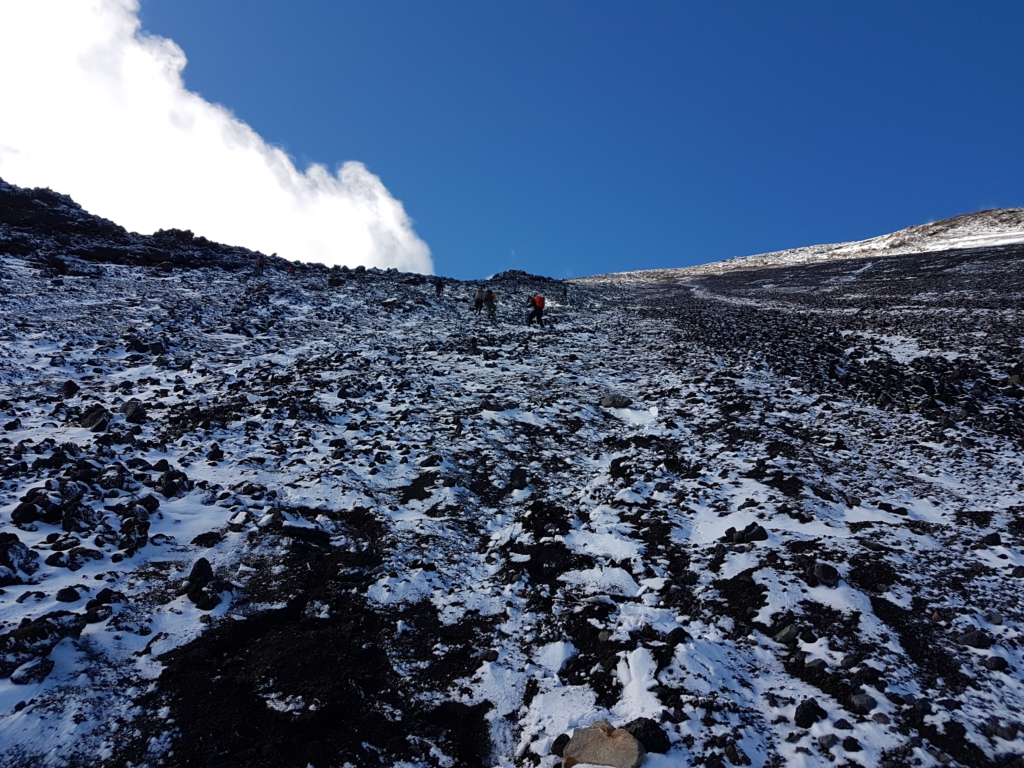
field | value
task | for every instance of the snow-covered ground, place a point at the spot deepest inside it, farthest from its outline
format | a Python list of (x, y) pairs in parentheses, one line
[(430, 544)]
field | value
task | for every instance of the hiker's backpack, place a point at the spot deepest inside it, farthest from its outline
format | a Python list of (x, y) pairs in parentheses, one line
[(489, 295), (538, 302)]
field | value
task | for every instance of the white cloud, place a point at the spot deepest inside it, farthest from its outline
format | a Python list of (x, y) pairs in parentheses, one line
[(91, 107)]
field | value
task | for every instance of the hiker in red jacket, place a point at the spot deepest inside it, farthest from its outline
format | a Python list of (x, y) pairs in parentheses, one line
[(536, 305)]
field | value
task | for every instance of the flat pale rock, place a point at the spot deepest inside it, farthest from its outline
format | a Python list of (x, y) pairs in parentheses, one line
[(601, 744)]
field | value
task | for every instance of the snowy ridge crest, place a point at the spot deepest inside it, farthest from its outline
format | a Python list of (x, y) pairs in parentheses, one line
[(984, 229)]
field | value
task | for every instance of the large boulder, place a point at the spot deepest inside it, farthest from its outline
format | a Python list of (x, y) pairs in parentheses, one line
[(754, 532), (601, 744), (74, 558), (975, 638), (808, 712), (96, 418), (173, 483), (788, 634), (67, 595), (202, 587), (134, 411), (25, 513), (995, 663), (136, 345), (862, 703), (651, 735), (615, 401), (34, 671), (826, 574), (134, 535), (8, 577), (16, 556), (78, 518), (519, 479), (114, 477)]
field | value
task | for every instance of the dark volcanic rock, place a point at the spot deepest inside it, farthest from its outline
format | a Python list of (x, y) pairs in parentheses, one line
[(558, 745), (615, 401), (756, 533), (16, 556), (208, 539), (134, 535), (996, 663), (74, 558), (828, 741), (173, 483), (67, 595), (787, 635), (651, 735), (199, 579), (808, 712), (850, 744), (134, 411), (36, 638), (975, 638), (518, 479), (8, 577), (106, 596), (98, 614), (826, 574), (25, 513), (150, 503), (34, 671), (862, 703), (96, 418)]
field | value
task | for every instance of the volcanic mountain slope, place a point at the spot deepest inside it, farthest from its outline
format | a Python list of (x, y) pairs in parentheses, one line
[(983, 229), (330, 518)]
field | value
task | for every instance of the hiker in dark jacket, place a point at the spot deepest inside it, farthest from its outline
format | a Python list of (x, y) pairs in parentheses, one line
[(478, 300), (536, 305), (438, 286), (491, 302)]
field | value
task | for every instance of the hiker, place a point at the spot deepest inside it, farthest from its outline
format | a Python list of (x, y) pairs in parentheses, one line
[(536, 305), (291, 270), (491, 302), (478, 299), (438, 286), (565, 294), (259, 264)]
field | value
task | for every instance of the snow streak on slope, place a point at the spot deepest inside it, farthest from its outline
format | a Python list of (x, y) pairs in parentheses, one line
[(430, 545)]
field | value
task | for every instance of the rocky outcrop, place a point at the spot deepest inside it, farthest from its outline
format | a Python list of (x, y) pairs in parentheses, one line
[(602, 744)]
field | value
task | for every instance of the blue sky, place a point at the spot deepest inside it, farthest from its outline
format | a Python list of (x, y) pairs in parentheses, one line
[(575, 138)]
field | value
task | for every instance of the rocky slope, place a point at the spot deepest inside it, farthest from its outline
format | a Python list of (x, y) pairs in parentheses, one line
[(766, 518)]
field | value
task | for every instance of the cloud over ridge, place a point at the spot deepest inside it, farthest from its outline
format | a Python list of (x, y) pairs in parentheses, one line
[(91, 107)]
